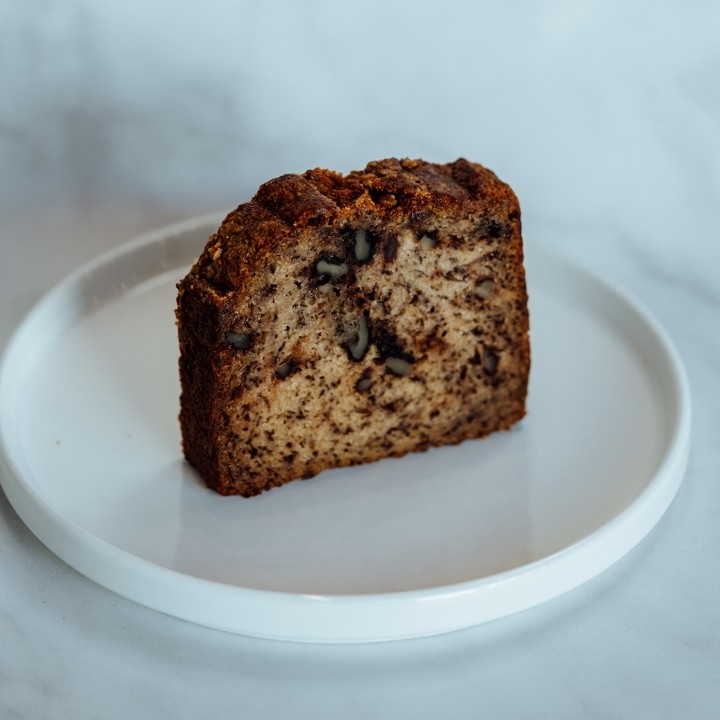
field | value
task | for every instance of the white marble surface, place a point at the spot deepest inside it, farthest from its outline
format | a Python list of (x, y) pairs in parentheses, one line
[(118, 117)]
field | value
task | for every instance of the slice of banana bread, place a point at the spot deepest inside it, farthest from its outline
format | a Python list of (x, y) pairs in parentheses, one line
[(336, 320)]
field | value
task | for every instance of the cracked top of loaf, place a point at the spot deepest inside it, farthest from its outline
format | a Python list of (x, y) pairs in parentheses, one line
[(390, 190)]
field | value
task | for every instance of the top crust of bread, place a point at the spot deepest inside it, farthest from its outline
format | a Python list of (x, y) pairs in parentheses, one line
[(233, 305)]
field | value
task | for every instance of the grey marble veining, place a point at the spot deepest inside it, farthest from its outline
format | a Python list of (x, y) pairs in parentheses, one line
[(116, 118)]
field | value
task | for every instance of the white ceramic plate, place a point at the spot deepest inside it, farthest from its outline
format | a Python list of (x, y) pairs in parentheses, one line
[(426, 544)]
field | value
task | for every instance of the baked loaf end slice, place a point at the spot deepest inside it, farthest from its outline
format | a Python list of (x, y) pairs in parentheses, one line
[(336, 320)]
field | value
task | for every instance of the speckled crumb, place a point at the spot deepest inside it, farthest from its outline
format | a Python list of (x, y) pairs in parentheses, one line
[(336, 320)]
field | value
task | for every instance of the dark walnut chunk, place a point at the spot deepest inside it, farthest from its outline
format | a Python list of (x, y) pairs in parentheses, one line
[(358, 346), (396, 359), (287, 368), (390, 250), (239, 340), (364, 383), (359, 244), (329, 269)]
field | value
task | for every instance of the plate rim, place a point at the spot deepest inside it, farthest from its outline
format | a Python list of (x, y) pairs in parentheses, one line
[(335, 617)]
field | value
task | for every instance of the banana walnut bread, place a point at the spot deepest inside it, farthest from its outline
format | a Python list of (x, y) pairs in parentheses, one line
[(340, 319)]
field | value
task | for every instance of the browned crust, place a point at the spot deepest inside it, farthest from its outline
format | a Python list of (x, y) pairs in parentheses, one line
[(230, 278), (393, 189)]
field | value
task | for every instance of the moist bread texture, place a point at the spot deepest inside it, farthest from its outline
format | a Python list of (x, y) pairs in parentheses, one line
[(335, 320)]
